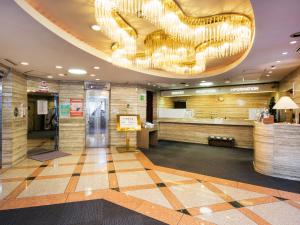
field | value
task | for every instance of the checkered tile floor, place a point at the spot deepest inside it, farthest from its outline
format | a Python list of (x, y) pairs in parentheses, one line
[(132, 181)]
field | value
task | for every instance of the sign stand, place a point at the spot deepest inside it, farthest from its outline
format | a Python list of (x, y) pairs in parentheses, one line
[(127, 123)]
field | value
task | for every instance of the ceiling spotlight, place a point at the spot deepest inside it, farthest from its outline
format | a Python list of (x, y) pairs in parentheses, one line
[(77, 71), (154, 85), (284, 53), (278, 61), (186, 85), (24, 63), (206, 84), (95, 27), (58, 67), (273, 67), (61, 75), (149, 84), (97, 79), (50, 77), (270, 72), (96, 67), (203, 81), (268, 75), (227, 81), (293, 42)]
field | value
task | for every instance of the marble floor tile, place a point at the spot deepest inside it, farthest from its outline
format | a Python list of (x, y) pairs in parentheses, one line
[(195, 195), (92, 182), (7, 187), (96, 158), (237, 193), (98, 167), (57, 170), (128, 165), (124, 156), (278, 213), (126, 179), (227, 217), (29, 162), (45, 187), (72, 159), (151, 195), (17, 173), (168, 177)]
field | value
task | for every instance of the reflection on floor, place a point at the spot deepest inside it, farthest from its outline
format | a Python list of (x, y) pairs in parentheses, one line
[(132, 181), (227, 163)]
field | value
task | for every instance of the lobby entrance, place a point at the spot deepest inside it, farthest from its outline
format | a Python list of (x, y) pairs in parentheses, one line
[(97, 114)]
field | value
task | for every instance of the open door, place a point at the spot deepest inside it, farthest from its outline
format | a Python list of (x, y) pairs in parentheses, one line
[(42, 134)]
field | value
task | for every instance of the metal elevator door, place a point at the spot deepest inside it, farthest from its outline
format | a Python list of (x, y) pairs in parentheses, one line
[(97, 114)]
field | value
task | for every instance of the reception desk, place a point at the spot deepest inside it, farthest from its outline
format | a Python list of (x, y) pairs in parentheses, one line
[(277, 150), (198, 130)]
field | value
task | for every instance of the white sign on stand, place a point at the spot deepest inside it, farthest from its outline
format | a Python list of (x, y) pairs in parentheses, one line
[(42, 107)]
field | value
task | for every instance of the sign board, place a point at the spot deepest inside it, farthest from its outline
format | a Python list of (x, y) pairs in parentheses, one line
[(43, 86), (42, 107), (76, 107), (64, 109), (128, 122)]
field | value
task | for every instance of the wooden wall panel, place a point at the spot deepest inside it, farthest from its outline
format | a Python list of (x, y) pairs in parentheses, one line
[(120, 97), (71, 130), (233, 107), (14, 143)]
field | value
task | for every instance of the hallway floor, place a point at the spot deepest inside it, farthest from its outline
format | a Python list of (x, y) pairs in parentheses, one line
[(131, 180)]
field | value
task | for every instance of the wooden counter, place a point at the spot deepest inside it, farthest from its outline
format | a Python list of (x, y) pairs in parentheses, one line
[(277, 150), (198, 130)]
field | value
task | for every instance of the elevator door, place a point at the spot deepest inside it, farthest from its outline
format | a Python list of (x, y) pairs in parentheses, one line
[(97, 113)]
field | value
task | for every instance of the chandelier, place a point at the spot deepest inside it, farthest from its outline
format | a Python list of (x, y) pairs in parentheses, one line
[(181, 44)]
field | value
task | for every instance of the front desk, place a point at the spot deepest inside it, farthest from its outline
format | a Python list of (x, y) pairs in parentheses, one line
[(277, 150), (198, 130)]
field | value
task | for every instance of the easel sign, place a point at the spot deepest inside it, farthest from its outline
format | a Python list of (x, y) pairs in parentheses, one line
[(128, 122)]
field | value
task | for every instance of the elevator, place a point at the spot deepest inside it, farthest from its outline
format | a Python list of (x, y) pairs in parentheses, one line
[(97, 116)]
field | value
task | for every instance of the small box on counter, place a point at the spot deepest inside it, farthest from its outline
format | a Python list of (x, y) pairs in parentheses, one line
[(268, 120)]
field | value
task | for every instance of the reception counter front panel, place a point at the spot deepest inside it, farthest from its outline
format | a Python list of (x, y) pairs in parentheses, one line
[(277, 150)]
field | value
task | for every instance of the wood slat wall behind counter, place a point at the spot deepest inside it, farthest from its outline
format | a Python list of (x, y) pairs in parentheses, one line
[(233, 107)]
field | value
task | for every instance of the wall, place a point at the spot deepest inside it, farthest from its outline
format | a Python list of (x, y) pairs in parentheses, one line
[(234, 106), (120, 97), (72, 129), (289, 82), (14, 135)]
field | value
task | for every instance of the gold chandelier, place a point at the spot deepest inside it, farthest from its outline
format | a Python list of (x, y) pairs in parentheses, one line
[(181, 44)]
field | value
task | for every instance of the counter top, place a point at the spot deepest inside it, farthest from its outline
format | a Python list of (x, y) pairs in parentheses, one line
[(227, 122)]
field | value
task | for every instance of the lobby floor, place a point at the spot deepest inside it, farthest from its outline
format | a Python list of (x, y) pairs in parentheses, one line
[(132, 181)]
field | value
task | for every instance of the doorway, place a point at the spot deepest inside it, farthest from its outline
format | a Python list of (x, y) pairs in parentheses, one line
[(42, 127), (97, 115), (149, 114)]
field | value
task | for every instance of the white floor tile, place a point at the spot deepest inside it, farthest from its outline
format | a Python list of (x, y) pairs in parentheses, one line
[(98, 167), (124, 156), (151, 195), (195, 195), (228, 217), (7, 187), (128, 165), (17, 173), (133, 178), (57, 170), (168, 177), (93, 182), (278, 213)]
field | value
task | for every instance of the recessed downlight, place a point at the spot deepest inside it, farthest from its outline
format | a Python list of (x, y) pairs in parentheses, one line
[(61, 75), (278, 61), (97, 79), (270, 72), (284, 53), (92, 75), (58, 67), (206, 84), (50, 77), (186, 85), (95, 27), (24, 63), (293, 42), (96, 67), (227, 81), (203, 81), (77, 71)]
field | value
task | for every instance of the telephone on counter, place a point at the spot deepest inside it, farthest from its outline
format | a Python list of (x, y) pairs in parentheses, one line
[(148, 125)]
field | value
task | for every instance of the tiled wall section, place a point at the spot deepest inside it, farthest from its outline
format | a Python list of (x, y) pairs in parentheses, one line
[(14, 128), (71, 130), (120, 97)]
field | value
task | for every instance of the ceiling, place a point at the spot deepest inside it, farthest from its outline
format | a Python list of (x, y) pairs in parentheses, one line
[(23, 38)]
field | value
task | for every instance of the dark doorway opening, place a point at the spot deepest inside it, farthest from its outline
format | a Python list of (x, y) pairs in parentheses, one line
[(149, 115), (42, 127)]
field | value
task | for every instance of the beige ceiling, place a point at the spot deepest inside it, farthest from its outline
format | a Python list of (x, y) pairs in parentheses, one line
[(76, 17)]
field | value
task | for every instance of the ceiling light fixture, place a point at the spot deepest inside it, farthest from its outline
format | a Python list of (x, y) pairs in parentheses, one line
[(278, 61), (24, 63), (92, 75), (268, 75), (58, 67), (77, 71), (50, 77), (61, 75), (97, 79), (293, 42), (227, 81), (284, 53), (96, 67), (95, 27), (206, 84), (270, 72)]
